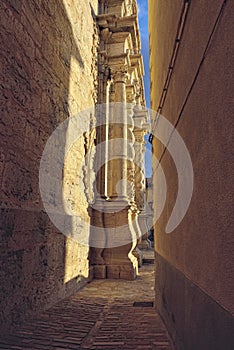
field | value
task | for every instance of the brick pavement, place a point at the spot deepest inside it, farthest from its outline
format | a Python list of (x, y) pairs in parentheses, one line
[(100, 316)]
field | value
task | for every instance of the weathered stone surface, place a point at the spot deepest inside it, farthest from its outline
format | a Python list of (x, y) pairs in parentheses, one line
[(120, 184), (51, 70), (47, 74)]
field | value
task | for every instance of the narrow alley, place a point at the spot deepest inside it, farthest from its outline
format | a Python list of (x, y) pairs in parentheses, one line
[(116, 177)]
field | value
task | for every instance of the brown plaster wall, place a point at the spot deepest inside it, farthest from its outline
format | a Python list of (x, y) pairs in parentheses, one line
[(161, 28), (47, 73), (201, 247), (194, 320)]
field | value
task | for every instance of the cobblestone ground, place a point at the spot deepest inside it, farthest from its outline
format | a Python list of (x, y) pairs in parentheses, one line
[(101, 316)]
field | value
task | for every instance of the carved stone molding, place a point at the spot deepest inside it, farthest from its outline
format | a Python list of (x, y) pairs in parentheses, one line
[(121, 89), (120, 76), (88, 168)]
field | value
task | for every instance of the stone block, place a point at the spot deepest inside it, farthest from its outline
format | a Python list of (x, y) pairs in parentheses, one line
[(113, 271), (8, 20), (100, 271), (15, 5), (32, 21), (126, 272), (16, 182)]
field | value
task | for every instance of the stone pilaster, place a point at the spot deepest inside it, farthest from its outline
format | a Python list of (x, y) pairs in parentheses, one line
[(131, 102), (117, 159), (97, 231), (144, 242), (140, 130), (120, 263)]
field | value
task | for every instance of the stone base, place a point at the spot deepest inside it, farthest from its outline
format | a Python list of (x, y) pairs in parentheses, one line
[(115, 260), (194, 320), (99, 271), (126, 272), (138, 254), (120, 262)]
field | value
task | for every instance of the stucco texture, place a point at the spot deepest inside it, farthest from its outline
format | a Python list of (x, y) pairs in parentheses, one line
[(201, 247)]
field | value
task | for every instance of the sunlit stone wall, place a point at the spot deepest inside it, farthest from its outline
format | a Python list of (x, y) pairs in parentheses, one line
[(48, 73)]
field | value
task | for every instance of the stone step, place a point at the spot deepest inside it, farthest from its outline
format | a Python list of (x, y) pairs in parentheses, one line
[(148, 261), (148, 257)]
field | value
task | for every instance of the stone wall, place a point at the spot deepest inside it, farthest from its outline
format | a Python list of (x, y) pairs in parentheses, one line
[(48, 73), (194, 263)]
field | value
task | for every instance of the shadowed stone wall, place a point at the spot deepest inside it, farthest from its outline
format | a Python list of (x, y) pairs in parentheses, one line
[(194, 263), (48, 73)]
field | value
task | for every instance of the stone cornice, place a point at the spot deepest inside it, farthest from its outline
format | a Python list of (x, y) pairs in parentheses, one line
[(137, 60), (121, 24), (140, 118), (112, 20), (118, 37), (120, 76)]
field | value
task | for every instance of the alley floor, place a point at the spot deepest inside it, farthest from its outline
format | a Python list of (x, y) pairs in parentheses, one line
[(104, 315)]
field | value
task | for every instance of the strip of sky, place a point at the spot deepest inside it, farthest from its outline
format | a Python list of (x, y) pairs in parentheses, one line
[(143, 24)]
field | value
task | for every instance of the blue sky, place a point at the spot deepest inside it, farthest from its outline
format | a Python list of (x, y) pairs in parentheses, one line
[(143, 23)]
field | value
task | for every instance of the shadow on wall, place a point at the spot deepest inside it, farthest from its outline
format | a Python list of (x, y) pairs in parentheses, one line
[(37, 45)]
